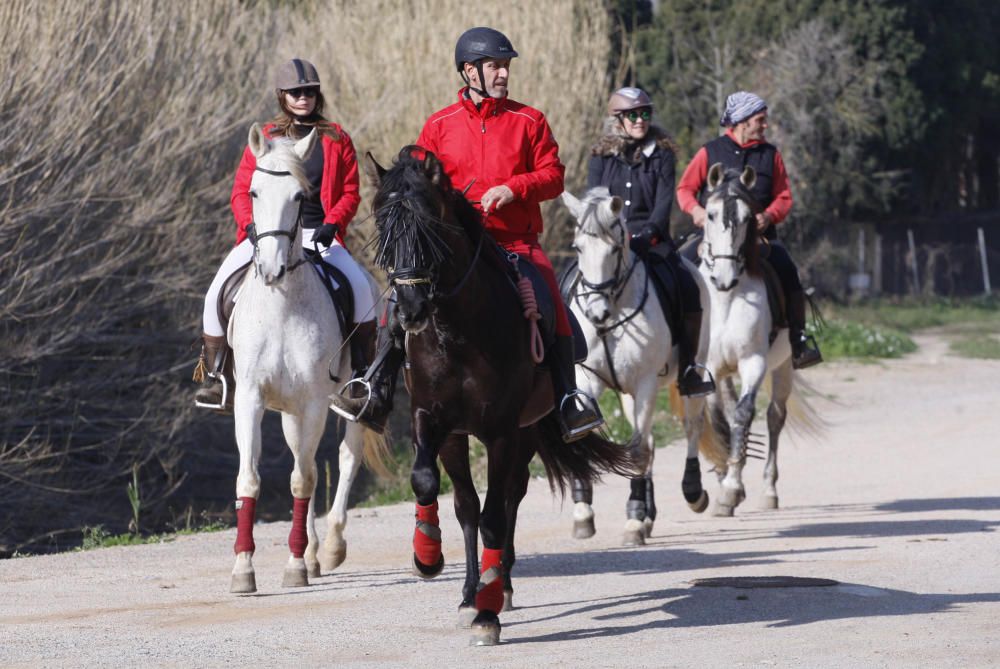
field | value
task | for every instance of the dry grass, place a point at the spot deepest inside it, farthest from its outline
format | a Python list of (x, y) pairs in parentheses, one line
[(120, 126)]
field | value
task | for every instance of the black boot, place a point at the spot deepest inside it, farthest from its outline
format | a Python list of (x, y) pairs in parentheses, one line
[(371, 409), (215, 374), (689, 381), (805, 352), (578, 414), (362, 347)]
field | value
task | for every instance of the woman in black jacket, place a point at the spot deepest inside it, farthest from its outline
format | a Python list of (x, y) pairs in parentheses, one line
[(635, 160)]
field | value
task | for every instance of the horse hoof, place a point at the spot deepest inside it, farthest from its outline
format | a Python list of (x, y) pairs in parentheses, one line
[(295, 578), (731, 497), (769, 502), (485, 629), (647, 528), (312, 569), (466, 614), (243, 584), (701, 504), (508, 601), (332, 558), (634, 538), (584, 529), (722, 510), (425, 572)]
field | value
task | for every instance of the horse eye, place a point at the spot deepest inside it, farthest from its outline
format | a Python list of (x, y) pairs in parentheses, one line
[(298, 196), (253, 193)]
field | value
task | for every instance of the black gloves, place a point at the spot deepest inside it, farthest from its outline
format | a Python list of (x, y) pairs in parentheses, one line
[(641, 243), (325, 234)]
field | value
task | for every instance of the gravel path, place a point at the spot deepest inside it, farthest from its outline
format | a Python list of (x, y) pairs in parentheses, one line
[(898, 501)]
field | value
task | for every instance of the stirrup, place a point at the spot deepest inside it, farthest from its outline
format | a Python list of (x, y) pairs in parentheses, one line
[(711, 379), (808, 346), (344, 413), (570, 435), (221, 406)]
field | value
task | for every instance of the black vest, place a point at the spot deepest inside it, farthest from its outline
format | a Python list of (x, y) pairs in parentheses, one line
[(759, 156)]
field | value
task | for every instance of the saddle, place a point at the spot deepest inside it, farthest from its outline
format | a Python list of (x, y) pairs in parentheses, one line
[(334, 281)]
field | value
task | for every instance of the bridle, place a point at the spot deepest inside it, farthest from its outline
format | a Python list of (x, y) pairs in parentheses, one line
[(729, 215), (255, 236)]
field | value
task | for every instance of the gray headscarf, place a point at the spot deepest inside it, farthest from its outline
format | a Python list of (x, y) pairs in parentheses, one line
[(740, 106)]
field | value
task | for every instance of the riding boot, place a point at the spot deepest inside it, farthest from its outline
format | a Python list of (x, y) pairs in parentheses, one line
[(689, 381), (578, 414), (362, 346), (805, 352), (215, 374), (378, 385)]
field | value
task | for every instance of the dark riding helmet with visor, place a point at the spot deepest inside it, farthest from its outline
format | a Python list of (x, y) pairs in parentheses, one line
[(478, 44)]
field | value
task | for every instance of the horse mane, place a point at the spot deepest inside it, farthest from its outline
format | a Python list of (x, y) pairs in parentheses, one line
[(407, 216), (729, 191)]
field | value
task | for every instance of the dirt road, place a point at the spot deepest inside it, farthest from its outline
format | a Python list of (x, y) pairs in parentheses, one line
[(898, 501)]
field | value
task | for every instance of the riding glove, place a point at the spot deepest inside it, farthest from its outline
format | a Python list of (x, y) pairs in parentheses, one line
[(641, 243), (325, 234)]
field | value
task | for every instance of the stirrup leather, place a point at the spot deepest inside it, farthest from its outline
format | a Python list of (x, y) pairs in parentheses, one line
[(344, 413), (221, 406), (582, 430)]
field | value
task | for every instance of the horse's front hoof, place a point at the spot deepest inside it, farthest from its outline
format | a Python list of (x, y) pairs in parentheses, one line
[(312, 569), (769, 502), (243, 584), (331, 557), (425, 572), (647, 528), (295, 578), (584, 529), (466, 614), (508, 601), (485, 629), (722, 510), (700, 505), (633, 538)]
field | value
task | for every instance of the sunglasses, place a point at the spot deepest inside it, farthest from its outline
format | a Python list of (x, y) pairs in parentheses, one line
[(636, 114), (307, 92)]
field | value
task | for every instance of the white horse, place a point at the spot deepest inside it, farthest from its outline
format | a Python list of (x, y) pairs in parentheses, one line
[(631, 351), (740, 328), (284, 331)]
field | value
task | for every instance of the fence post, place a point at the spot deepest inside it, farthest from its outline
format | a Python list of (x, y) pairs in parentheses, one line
[(913, 263), (982, 260)]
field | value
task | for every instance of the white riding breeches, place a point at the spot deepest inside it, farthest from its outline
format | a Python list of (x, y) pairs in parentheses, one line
[(334, 255)]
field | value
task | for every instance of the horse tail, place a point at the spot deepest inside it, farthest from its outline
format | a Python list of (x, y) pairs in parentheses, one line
[(376, 452), (802, 417), (587, 458), (713, 442)]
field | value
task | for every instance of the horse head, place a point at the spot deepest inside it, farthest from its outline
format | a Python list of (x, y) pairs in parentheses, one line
[(730, 242), (601, 244), (421, 224), (276, 191)]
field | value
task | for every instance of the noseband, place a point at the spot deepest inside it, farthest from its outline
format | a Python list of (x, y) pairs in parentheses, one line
[(254, 236)]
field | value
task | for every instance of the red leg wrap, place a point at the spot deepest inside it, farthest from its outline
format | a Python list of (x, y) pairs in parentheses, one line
[(427, 548), (246, 507), (490, 595), (298, 539)]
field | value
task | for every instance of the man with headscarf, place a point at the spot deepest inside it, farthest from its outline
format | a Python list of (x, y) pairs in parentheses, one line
[(743, 145)]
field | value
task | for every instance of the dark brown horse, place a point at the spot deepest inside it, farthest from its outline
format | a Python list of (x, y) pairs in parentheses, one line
[(469, 372)]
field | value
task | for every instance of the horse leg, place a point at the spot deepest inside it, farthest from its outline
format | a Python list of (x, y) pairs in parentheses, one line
[(302, 434), (455, 458), (425, 479), (638, 523), (334, 550), (248, 411), (777, 411), (694, 424), (733, 493), (583, 491), (517, 488), (493, 527)]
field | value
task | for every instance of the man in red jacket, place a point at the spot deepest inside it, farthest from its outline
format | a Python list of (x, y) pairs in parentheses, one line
[(506, 151)]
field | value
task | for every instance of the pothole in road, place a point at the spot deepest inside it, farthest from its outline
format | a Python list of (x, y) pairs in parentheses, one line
[(748, 582)]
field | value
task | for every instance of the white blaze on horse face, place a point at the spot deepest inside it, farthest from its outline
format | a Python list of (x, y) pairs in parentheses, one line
[(723, 243), (599, 242), (276, 202)]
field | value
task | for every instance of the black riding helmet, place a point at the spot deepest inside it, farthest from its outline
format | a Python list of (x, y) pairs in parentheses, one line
[(477, 44)]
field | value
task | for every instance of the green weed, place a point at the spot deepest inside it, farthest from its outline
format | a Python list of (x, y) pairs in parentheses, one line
[(984, 348), (845, 339)]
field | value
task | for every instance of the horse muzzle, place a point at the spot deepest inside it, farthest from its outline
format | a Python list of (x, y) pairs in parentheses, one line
[(726, 285)]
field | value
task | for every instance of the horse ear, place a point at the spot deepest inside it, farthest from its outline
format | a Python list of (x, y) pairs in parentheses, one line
[(715, 174), (257, 141), (748, 178), (374, 171), (616, 205), (572, 203), (433, 168), (304, 146)]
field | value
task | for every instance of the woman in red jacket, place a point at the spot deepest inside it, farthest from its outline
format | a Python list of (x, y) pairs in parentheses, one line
[(326, 211)]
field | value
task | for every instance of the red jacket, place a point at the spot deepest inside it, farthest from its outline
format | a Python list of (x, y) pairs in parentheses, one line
[(697, 172), (338, 193), (502, 143)]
